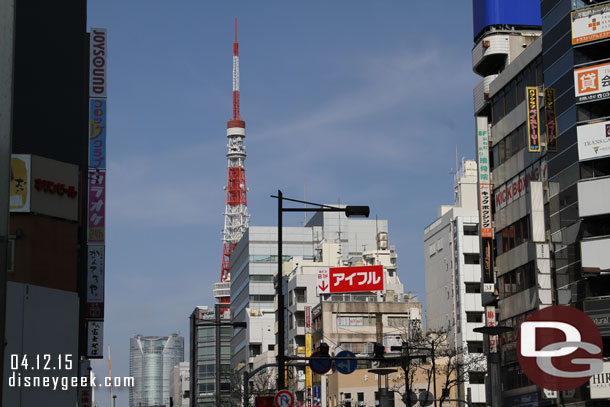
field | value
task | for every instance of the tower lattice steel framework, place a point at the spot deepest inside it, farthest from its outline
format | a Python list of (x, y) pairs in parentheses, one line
[(236, 210)]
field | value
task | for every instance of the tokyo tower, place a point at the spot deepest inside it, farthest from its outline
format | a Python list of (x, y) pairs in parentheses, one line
[(236, 210)]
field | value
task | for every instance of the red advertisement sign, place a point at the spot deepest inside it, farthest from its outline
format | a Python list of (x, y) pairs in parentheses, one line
[(351, 279)]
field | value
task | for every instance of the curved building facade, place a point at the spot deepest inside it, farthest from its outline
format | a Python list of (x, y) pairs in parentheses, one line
[(151, 360)]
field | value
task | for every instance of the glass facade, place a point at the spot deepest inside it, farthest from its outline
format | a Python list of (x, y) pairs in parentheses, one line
[(151, 360), (203, 359)]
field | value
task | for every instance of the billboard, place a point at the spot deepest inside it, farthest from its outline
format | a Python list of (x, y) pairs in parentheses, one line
[(98, 53), (519, 185), (95, 342), (95, 281), (487, 268), (593, 140), (502, 12), (483, 174), (590, 24), (592, 83), (21, 171), (533, 121), (551, 120), (350, 279), (97, 133), (96, 219)]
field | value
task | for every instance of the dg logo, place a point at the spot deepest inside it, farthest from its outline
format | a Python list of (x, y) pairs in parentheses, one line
[(559, 348)]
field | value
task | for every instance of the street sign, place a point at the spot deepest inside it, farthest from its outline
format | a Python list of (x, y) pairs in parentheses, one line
[(284, 398), (350, 279), (425, 398), (317, 396), (320, 366), (345, 366)]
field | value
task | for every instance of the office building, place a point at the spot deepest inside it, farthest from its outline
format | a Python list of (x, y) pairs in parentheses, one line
[(303, 294), (202, 353), (179, 385), (49, 243), (548, 166), (151, 362), (453, 276), (254, 264), (355, 321)]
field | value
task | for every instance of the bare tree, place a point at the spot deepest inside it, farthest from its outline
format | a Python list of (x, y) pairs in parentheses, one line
[(261, 384), (432, 358)]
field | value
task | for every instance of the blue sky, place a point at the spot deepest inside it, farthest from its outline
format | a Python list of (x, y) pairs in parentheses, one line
[(358, 101)]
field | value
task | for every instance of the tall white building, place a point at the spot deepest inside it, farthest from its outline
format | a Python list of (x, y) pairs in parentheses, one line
[(179, 385), (453, 274), (254, 264)]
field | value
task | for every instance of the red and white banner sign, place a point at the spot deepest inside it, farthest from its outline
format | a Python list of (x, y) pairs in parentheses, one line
[(350, 279)]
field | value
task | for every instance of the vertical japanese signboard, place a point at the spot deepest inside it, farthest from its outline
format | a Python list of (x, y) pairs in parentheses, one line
[(97, 133), (551, 120), (95, 332), (85, 393), (533, 121), (96, 204), (490, 320), (98, 54), (308, 346), (96, 219), (485, 203), (95, 281)]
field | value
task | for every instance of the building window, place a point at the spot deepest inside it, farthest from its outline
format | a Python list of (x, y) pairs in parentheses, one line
[(471, 258), (365, 320), (348, 400), (476, 377), (300, 295), (261, 278), (475, 347), (262, 298), (357, 347), (271, 347), (473, 288), (360, 397), (513, 235), (255, 349), (471, 230), (517, 280), (398, 322), (474, 317)]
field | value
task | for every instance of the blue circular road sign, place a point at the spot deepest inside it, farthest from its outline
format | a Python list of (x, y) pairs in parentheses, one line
[(320, 366), (345, 366)]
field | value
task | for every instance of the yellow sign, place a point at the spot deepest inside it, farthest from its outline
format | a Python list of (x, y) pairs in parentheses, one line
[(308, 375), (20, 183)]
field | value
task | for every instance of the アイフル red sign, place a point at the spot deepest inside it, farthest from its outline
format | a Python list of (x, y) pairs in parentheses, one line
[(351, 279)]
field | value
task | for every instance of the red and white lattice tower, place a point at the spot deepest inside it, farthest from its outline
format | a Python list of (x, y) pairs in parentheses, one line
[(236, 212)]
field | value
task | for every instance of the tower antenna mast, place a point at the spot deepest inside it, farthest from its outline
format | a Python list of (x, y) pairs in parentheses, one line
[(236, 209)]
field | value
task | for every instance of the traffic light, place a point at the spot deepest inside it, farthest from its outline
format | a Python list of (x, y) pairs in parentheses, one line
[(378, 351), (323, 349)]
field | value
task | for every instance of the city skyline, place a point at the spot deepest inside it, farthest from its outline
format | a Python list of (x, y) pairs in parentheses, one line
[(356, 107)]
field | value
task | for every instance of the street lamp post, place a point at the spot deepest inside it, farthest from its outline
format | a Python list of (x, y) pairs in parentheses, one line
[(493, 361), (279, 289)]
